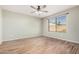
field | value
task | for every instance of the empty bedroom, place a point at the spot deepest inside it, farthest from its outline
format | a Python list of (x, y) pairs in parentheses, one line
[(39, 29)]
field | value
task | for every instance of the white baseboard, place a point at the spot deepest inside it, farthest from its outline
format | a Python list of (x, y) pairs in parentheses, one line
[(21, 38), (46, 36), (64, 39)]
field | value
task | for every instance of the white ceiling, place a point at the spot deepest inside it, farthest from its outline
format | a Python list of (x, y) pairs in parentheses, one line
[(26, 9)]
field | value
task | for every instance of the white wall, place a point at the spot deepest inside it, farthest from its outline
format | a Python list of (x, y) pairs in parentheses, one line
[(72, 33), (17, 26), (0, 26)]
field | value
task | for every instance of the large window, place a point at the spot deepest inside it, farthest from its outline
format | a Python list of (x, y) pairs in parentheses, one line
[(57, 24)]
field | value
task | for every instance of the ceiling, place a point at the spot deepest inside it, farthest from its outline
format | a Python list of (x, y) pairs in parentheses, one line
[(26, 9)]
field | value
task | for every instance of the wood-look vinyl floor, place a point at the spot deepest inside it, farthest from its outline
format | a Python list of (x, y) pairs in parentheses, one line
[(39, 45)]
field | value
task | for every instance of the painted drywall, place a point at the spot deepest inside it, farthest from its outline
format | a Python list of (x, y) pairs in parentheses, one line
[(0, 25), (72, 33), (17, 26)]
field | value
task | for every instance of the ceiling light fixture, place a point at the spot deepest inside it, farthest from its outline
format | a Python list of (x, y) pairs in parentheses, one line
[(38, 12)]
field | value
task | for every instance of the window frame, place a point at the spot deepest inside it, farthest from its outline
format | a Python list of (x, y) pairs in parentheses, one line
[(56, 29)]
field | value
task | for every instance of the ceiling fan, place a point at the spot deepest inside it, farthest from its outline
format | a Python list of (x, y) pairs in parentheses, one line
[(38, 9)]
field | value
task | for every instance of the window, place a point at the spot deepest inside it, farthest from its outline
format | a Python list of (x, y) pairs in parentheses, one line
[(57, 24)]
